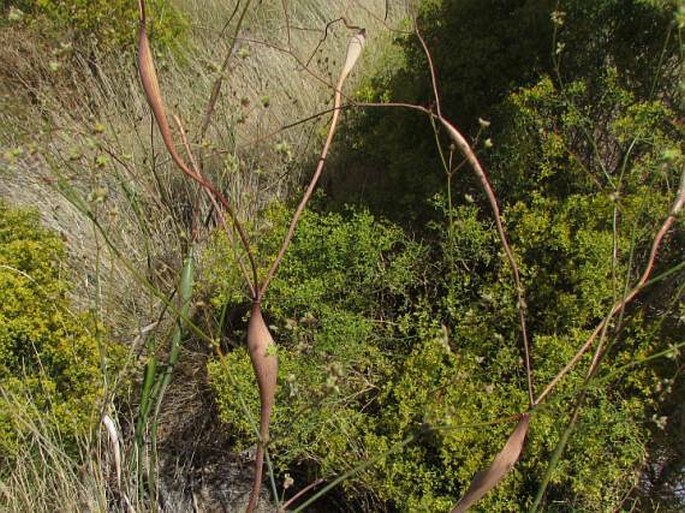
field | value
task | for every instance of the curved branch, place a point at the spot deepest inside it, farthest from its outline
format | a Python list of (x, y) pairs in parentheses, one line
[(148, 77), (353, 52), (465, 148)]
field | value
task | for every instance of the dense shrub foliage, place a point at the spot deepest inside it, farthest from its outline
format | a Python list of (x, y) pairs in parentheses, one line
[(110, 24), (396, 320), (385, 340), (381, 339), (49, 356)]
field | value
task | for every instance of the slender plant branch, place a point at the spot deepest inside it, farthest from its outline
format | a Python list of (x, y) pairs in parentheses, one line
[(288, 126), (470, 155), (217, 209), (463, 145), (325, 34), (382, 21), (153, 94), (354, 50), (230, 19), (216, 90), (431, 67), (558, 452), (367, 464), (310, 486)]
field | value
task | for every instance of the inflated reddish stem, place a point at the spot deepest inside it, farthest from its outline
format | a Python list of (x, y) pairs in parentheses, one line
[(259, 340), (498, 469), (470, 155), (148, 76), (261, 346)]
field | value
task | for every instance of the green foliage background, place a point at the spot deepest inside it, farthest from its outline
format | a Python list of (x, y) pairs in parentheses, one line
[(109, 24), (396, 319), (585, 159)]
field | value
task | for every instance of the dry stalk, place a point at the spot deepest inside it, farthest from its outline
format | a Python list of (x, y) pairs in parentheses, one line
[(260, 343), (353, 52), (487, 480), (470, 155), (217, 209), (153, 94), (216, 89), (261, 346), (463, 145), (259, 339), (291, 500)]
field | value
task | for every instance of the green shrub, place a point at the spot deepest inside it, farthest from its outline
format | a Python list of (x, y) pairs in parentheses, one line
[(585, 162), (49, 356), (380, 340), (112, 24), (342, 275)]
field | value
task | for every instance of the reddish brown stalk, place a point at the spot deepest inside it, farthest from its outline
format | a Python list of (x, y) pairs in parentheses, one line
[(310, 486), (259, 340), (261, 346), (465, 148), (621, 304), (148, 76), (353, 53), (217, 209), (434, 80), (470, 155)]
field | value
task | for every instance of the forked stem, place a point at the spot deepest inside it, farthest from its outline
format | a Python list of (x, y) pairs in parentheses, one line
[(153, 94)]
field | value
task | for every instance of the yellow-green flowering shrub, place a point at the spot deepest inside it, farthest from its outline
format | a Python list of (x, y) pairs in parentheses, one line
[(49, 357), (112, 24)]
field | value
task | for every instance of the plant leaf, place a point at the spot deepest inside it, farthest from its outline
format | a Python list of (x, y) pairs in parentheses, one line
[(503, 462), (354, 50)]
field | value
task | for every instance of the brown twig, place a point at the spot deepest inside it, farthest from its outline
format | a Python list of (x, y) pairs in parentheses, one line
[(325, 34), (310, 486), (230, 19), (463, 145), (153, 94), (217, 209), (288, 126), (354, 50), (216, 89), (470, 155), (303, 65), (259, 339), (431, 67)]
